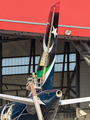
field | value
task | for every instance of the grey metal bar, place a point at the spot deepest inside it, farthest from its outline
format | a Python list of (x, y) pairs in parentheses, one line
[(66, 111), (13, 90), (72, 76), (73, 91), (71, 79), (0, 69), (62, 78), (35, 23), (33, 55), (77, 77), (31, 49), (68, 73), (13, 39), (16, 92), (9, 84), (64, 87), (30, 57)]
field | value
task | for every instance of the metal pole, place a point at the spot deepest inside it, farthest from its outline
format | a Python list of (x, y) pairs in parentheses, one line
[(70, 82), (0, 69), (63, 66), (68, 73), (33, 55), (35, 99), (31, 48), (77, 77), (30, 58)]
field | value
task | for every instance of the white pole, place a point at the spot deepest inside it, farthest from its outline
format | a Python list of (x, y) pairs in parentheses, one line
[(38, 109), (37, 105)]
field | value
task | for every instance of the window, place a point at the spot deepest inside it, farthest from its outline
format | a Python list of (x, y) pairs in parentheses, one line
[(59, 62), (11, 66)]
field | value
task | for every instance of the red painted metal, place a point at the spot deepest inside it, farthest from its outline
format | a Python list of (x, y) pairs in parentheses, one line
[(74, 13)]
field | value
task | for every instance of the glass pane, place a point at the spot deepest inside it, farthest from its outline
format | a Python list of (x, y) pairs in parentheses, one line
[(36, 68), (37, 59), (6, 62), (61, 58), (66, 58), (15, 70), (16, 61), (58, 67), (19, 61), (57, 58), (72, 57), (3, 62), (72, 66), (65, 67), (31, 70), (31, 60), (26, 59)]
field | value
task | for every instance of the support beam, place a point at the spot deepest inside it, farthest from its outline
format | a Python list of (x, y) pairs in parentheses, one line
[(64, 87), (5, 86), (30, 57), (73, 91), (16, 92), (11, 90), (72, 76), (33, 55), (9, 84), (77, 77), (32, 50), (0, 69), (67, 111), (71, 79), (84, 50), (62, 78), (68, 73), (13, 39)]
